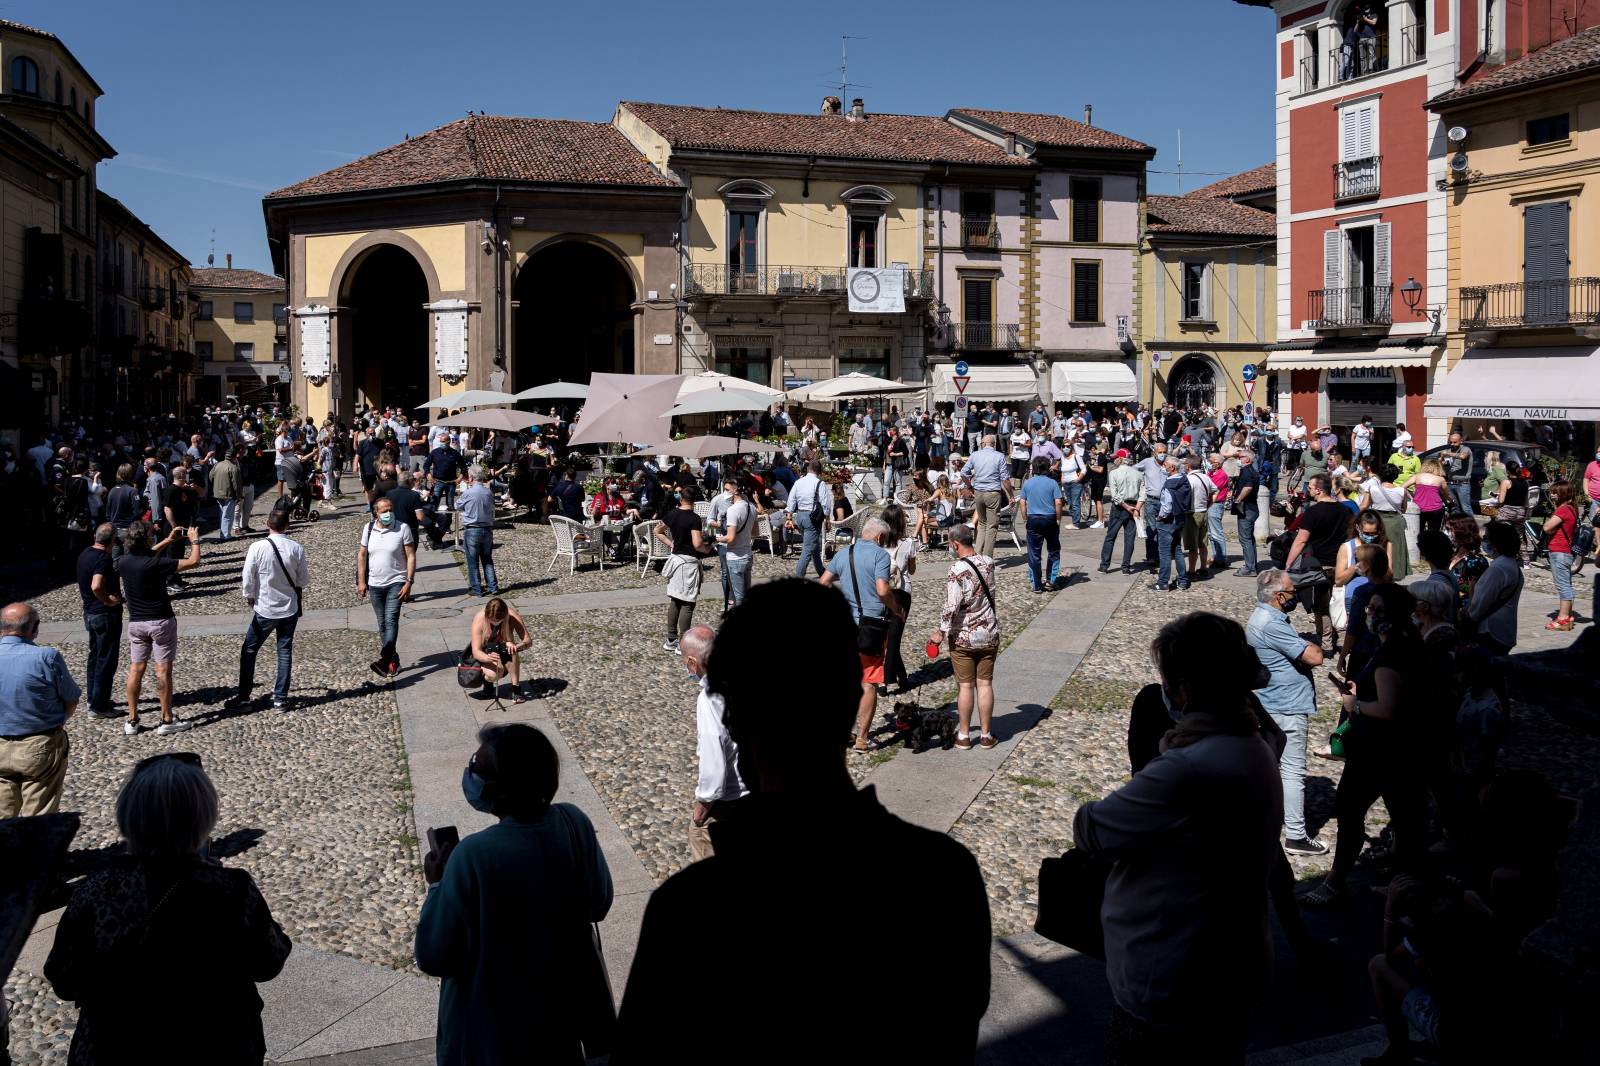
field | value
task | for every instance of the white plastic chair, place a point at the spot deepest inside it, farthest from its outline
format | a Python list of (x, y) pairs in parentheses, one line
[(1007, 524), (648, 547), (850, 527), (567, 544), (763, 531)]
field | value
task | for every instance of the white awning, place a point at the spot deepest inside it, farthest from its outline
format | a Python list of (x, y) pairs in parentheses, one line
[(988, 383), (1536, 384), (1086, 382), (1281, 361)]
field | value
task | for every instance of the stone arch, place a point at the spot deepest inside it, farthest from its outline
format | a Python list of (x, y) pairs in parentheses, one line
[(344, 269), (579, 296), (1192, 371), (584, 238)]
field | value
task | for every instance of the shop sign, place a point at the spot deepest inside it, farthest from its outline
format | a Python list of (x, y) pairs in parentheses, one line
[(795, 383), (1525, 414), (874, 291), (1360, 373)]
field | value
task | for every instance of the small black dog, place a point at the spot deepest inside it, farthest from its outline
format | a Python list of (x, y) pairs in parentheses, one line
[(916, 725)]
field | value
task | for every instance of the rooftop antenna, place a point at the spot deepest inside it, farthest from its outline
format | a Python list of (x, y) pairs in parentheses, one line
[(844, 66), (211, 255), (1180, 161)]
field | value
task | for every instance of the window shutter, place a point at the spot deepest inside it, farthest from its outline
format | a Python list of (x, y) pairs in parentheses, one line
[(1544, 269), (1332, 259), (1349, 133), (1366, 128), (1380, 256)]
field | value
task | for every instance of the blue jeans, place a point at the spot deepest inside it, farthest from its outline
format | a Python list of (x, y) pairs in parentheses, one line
[(1074, 491), (1292, 769), (105, 644), (479, 542), (385, 602), (256, 636), (1219, 543), (736, 574), (1044, 533), (1170, 551), (810, 546), (228, 507), (1462, 491), (1152, 506), (1248, 513), (891, 481), (1118, 518), (722, 558), (1561, 572)]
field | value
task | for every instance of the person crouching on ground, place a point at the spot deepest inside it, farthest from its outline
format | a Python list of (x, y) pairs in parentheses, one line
[(498, 635)]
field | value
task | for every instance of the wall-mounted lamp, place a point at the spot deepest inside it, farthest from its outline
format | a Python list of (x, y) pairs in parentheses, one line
[(1411, 292)]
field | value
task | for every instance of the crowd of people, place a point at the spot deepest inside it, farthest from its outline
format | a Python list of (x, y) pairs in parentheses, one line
[(1219, 750)]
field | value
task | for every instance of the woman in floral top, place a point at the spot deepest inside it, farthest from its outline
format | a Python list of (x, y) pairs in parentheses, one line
[(972, 629), (1469, 563)]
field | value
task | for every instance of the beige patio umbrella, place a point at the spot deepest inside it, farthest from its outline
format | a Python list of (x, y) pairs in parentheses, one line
[(454, 401), (555, 390), (708, 380), (847, 386), (710, 447), (624, 408), (500, 418)]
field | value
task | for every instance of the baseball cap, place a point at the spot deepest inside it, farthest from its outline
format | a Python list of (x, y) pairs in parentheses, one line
[(1122, 453)]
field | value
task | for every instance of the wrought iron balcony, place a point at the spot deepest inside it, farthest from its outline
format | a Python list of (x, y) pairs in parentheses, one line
[(1368, 55), (1530, 304), (986, 336), (1360, 307), (716, 279), (152, 297), (1413, 44), (1356, 179), (980, 233), (177, 304)]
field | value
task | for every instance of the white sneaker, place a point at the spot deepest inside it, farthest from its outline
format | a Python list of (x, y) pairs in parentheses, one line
[(1098, 525), (131, 729), (177, 725)]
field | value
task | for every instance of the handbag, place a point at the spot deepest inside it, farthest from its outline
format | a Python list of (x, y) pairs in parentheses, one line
[(469, 672), (593, 1003), (871, 631), (1307, 573), (1072, 889)]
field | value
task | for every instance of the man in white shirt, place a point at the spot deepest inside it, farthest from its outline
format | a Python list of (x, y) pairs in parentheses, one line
[(281, 447), (809, 497), (719, 780), (734, 542), (275, 577), (1021, 453), (1361, 439), (1073, 475), (1201, 490)]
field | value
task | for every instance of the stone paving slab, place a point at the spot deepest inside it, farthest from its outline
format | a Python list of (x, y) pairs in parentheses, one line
[(315, 990), (405, 1010)]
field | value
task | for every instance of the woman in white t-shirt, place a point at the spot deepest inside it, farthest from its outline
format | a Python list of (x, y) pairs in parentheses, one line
[(386, 565), (1021, 453), (1382, 495), (902, 548)]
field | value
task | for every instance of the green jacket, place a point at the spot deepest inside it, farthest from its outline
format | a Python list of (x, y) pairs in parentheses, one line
[(226, 484)]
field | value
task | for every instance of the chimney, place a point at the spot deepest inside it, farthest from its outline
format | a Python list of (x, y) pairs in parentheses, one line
[(857, 111), (230, 260), (831, 105), (1011, 143), (1088, 114)]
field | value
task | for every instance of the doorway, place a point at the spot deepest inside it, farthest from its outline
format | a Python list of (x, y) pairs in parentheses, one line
[(388, 363), (573, 316)]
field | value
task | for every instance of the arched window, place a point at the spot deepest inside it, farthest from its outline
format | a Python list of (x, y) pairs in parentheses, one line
[(60, 90), (72, 97), (24, 76), (746, 201), (1193, 383), (867, 204)]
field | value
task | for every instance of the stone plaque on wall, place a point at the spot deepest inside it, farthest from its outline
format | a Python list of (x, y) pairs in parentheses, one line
[(450, 339), (314, 322)]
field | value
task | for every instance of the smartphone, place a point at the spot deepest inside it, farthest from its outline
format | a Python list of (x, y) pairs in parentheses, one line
[(442, 841)]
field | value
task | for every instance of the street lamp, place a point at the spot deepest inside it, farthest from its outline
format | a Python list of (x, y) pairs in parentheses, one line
[(1411, 292)]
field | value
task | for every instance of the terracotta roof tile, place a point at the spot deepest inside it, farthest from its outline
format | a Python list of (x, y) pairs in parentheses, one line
[(1207, 215), (552, 151), (220, 278), (1575, 55), (1053, 130), (896, 138), (1252, 182)]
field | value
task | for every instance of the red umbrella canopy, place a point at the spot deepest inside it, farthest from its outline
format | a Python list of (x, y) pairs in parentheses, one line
[(622, 408)]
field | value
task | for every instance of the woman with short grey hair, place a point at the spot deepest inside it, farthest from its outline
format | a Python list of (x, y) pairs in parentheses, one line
[(166, 916)]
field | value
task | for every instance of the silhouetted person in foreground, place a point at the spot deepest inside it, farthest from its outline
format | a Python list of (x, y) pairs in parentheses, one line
[(765, 935)]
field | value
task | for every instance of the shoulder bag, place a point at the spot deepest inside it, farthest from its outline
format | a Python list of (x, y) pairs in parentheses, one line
[(984, 585), (871, 631), (819, 513), (1072, 890), (299, 599)]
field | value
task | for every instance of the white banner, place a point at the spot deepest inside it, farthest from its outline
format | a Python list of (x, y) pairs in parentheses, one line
[(450, 339), (314, 332), (877, 291)]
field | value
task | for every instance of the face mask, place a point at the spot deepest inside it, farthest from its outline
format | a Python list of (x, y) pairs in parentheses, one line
[(472, 789), (1174, 713), (1379, 626), (1367, 538), (1416, 621), (387, 518), (1407, 451)]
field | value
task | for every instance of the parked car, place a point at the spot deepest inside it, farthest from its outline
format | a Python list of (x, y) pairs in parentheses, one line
[(1525, 454)]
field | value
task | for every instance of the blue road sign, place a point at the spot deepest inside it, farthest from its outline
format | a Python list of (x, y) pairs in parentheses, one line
[(962, 369), (1248, 372)]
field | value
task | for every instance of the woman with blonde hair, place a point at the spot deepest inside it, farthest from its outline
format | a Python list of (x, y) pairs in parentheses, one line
[(498, 634)]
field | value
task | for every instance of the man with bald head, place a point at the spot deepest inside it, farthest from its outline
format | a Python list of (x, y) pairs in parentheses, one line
[(719, 780), (37, 694)]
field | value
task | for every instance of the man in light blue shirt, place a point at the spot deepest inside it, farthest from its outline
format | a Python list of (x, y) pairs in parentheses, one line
[(476, 504), (985, 472), (37, 694), (1288, 696), (861, 572), (1153, 469), (1040, 506)]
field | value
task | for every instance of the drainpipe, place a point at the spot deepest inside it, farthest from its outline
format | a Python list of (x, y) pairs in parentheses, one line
[(680, 290), (499, 287)]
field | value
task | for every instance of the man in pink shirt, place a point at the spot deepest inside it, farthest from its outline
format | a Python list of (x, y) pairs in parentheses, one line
[(1219, 504)]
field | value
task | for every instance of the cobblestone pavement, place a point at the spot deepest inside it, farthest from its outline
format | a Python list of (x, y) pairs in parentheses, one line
[(315, 805)]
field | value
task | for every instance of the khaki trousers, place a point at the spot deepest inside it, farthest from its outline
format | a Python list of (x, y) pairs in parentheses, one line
[(32, 770), (987, 521)]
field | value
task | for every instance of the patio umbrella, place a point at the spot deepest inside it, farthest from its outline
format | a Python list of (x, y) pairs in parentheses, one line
[(849, 385), (709, 447), (556, 390), (627, 407), (470, 398), (709, 400), (710, 379), (496, 418)]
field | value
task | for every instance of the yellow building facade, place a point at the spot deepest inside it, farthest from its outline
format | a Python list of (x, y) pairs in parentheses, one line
[(1523, 315), (241, 331), (1209, 281)]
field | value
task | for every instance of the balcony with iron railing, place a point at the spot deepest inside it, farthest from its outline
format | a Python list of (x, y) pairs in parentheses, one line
[(980, 233), (1358, 307), (177, 304), (1530, 304), (1368, 55), (718, 279), (986, 336), (152, 297), (1356, 179)]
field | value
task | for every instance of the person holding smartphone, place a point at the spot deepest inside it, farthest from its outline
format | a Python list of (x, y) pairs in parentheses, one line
[(146, 575)]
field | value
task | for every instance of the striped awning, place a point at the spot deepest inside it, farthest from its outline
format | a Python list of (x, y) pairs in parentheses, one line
[(1281, 361)]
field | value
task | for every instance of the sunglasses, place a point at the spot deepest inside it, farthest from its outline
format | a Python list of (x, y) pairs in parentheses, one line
[(190, 757)]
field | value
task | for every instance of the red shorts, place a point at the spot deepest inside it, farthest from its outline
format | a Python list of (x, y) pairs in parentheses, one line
[(871, 669)]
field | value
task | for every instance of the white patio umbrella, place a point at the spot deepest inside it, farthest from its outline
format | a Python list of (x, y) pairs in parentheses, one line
[(496, 418), (710, 400), (627, 407), (708, 447), (451, 401), (849, 385), (710, 379), (555, 390)]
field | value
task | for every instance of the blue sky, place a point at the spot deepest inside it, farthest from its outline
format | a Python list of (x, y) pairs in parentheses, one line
[(209, 105)]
